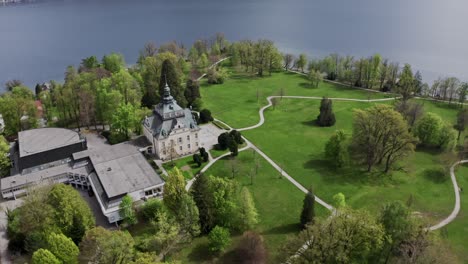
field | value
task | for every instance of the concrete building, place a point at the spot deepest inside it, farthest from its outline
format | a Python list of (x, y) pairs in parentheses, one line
[(172, 130), (56, 155)]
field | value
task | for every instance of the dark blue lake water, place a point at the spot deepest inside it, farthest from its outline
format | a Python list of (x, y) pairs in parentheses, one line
[(38, 41)]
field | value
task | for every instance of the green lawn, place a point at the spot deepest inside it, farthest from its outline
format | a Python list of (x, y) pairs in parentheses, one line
[(457, 231), (278, 203), (186, 165), (235, 101), (297, 143), (290, 137)]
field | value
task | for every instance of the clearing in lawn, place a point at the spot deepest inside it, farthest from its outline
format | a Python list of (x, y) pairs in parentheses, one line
[(278, 203)]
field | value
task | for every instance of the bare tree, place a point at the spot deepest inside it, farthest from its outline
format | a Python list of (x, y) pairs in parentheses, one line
[(288, 61), (9, 85), (149, 50), (233, 167), (251, 249), (274, 102)]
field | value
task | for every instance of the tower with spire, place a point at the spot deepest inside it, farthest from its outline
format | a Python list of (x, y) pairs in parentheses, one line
[(171, 129)]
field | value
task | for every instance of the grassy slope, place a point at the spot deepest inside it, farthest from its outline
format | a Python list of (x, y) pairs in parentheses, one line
[(278, 203), (235, 101)]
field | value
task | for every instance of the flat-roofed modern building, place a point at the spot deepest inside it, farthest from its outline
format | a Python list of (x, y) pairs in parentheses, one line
[(55, 155)]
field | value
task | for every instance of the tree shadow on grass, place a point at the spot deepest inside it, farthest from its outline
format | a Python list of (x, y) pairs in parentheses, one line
[(436, 175), (230, 257), (200, 253), (312, 123), (306, 85), (284, 229), (350, 174)]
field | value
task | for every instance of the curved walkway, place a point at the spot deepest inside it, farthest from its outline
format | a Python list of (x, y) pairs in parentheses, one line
[(262, 117), (456, 189)]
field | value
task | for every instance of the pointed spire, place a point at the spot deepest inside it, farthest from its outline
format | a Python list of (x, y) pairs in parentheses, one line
[(167, 98)]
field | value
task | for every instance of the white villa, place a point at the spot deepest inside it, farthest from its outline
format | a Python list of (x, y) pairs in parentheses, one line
[(172, 131)]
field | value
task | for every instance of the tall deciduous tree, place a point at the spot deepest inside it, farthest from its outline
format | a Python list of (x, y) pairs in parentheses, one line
[(125, 119), (71, 212), (251, 249), (356, 235), (126, 210), (301, 63), (380, 134), (113, 62), (63, 248), (44, 256), (174, 190), (219, 239), (326, 116), (336, 150), (315, 77), (433, 132), (308, 209), (247, 211), (100, 245), (462, 121), (5, 163), (406, 86)]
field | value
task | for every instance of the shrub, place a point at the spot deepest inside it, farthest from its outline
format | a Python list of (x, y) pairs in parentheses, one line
[(326, 116), (219, 239), (205, 116)]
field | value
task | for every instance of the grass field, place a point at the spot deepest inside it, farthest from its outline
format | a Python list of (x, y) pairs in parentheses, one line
[(290, 137), (236, 101), (298, 144), (278, 203)]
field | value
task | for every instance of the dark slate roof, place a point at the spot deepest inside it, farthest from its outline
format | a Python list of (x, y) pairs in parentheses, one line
[(43, 139), (167, 116)]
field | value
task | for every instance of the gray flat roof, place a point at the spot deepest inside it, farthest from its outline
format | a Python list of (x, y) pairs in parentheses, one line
[(123, 169), (43, 139), (37, 176)]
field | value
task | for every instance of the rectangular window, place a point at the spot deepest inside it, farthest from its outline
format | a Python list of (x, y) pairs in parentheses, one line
[(188, 146), (180, 148), (188, 137), (180, 140), (196, 135), (196, 144)]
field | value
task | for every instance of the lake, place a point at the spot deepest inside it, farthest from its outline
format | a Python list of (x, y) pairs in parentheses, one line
[(38, 40)]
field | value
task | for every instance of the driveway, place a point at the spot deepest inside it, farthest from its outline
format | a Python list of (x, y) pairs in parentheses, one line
[(209, 135)]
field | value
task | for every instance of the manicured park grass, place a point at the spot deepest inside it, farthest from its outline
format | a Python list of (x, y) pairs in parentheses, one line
[(278, 203), (236, 102), (186, 165), (298, 144), (290, 137)]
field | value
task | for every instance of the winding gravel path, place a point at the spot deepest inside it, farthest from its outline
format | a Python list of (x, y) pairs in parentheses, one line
[(269, 98), (456, 189), (453, 177)]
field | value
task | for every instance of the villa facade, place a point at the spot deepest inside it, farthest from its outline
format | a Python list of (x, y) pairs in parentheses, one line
[(172, 130)]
